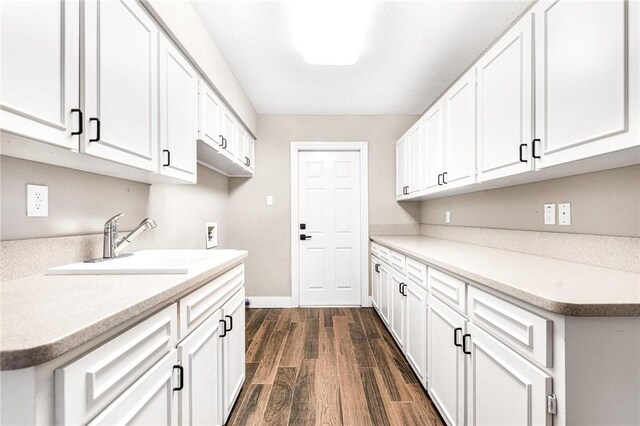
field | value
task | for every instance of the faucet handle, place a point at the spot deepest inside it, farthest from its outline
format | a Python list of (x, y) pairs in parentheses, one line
[(113, 222)]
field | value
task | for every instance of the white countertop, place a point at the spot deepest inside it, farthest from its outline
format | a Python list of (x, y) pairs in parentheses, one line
[(558, 286), (45, 316)]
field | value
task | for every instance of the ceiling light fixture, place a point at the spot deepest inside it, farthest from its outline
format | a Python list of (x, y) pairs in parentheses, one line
[(330, 32)]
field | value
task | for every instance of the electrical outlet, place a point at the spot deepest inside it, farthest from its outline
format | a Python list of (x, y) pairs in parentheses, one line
[(269, 200), (549, 214), (37, 201), (564, 214), (447, 217)]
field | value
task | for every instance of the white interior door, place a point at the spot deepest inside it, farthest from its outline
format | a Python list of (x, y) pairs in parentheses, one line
[(329, 207)]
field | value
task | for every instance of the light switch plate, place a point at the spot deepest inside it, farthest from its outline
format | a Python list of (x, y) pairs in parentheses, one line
[(564, 214), (447, 217), (37, 201), (549, 214), (269, 200)]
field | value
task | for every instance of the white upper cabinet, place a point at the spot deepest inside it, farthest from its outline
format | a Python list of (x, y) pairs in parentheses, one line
[(251, 152), (586, 60), (41, 71), (228, 131), (505, 104), (460, 132), (415, 159), (178, 113), (120, 83), (401, 167), (434, 146), (209, 117)]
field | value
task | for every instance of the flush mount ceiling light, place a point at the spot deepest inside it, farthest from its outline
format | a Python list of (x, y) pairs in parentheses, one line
[(330, 32)]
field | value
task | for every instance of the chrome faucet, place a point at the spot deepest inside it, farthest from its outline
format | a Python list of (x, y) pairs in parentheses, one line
[(112, 244)]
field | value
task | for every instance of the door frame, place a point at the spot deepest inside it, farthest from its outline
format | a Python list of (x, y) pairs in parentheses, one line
[(363, 149)]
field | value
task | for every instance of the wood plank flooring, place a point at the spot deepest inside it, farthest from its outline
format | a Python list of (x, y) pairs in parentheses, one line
[(327, 366)]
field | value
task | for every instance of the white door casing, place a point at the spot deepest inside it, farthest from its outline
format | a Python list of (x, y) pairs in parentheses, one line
[(329, 195)]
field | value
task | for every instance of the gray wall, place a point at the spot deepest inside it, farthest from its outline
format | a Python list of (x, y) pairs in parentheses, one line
[(602, 203), (264, 231), (80, 203)]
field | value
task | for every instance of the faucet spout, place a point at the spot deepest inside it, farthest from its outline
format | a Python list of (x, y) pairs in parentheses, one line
[(145, 225), (112, 244)]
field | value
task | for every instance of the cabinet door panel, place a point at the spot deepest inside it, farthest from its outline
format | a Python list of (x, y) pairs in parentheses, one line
[(503, 388), (199, 353), (40, 76), (178, 113), (460, 132), (505, 104), (120, 82), (385, 302), (433, 145), (582, 79), (414, 161), (375, 284), (415, 342), (398, 302), (228, 131), (209, 117), (401, 166), (446, 361), (233, 351), (149, 401)]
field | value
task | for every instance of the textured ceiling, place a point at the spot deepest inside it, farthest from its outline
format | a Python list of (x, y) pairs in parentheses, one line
[(413, 50)]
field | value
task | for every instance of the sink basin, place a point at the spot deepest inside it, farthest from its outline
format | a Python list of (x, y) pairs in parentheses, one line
[(149, 262)]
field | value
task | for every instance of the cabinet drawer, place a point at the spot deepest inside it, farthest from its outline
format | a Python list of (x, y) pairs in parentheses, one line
[(375, 248), (398, 261), (447, 288), (384, 254), (197, 306), (417, 272), (527, 333), (87, 385)]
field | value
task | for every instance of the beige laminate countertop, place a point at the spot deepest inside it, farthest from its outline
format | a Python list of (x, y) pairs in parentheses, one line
[(558, 286), (45, 316)]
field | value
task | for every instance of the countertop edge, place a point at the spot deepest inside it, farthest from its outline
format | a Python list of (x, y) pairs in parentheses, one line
[(30, 357), (555, 306)]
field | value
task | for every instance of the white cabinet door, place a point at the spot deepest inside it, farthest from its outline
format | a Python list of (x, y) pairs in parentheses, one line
[(503, 388), (178, 113), (209, 117), (200, 355), (151, 400), (227, 123), (251, 152), (446, 361), (505, 102), (414, 161), (120, 83), (586, 79), (384, 307), (460, 132), (398, 302), (40, 79), (434, 147), (415, 342), (233, 351), (375, 283), (401, 167)]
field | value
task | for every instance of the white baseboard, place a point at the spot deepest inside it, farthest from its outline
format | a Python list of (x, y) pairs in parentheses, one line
[(270, 302)]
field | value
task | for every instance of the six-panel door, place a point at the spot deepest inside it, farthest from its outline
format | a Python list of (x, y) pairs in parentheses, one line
[(583, 76), (329, 207), (178, 113), (40, 76), (505, 102)]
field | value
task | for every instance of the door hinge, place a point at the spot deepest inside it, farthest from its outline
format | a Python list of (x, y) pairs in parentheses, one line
[(552, 404)]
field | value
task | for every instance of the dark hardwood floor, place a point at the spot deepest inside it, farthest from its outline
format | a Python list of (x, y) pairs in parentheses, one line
[(327, 366)]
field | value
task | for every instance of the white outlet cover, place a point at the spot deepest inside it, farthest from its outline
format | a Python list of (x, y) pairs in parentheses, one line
[(37, 201), (447, 216), (564, 214), (269, 200), (211, 234), (549, 214)]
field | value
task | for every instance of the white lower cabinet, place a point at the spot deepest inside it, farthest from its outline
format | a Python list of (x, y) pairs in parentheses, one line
[(415, 335), (384, 307), (446, 361), (375, 283), (151, 400), (201, 393), (233, 351), (502, 387), (398, 306)]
